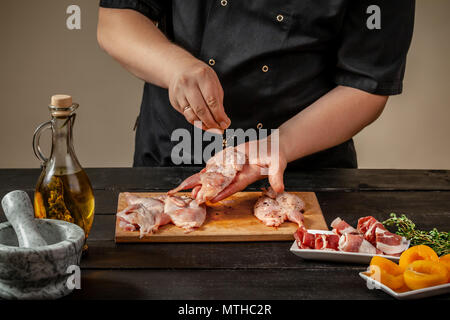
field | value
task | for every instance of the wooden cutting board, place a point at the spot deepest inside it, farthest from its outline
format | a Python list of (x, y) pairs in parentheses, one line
[(229, 220)]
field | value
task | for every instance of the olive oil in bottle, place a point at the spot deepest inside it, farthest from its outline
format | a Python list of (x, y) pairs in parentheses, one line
[(63, 190), (67, 197)]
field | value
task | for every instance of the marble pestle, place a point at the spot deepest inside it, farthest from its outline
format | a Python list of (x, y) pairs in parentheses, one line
[(19, 212)]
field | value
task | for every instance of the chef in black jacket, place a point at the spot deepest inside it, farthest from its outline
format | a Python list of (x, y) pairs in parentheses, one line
[(318, 70)]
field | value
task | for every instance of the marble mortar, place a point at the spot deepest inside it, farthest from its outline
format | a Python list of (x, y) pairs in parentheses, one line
[(35, 253)]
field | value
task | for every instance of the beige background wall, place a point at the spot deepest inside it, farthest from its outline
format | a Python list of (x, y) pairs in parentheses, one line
[(40, 57)]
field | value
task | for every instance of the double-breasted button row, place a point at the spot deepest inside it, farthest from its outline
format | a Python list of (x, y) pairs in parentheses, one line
[(264, 68), (279, 17), (212, 62)]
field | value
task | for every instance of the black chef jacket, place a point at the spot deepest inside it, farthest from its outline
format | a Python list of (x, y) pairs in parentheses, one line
[(274, 58)]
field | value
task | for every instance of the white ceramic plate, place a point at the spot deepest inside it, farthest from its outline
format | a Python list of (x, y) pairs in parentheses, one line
[(413, 294), (335, 256)]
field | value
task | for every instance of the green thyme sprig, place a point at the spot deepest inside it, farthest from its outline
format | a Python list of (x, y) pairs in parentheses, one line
[(438, 241)]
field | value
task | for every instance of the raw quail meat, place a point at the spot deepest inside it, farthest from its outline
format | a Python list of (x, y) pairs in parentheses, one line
[(148, 214), (143, 214), (219, 172), (273, 209), (185, 212)]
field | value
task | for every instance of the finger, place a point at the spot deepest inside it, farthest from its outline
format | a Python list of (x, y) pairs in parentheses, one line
[(188, 183), (177, 103), (231, 189), (198, 105), (276, 177), (176, 106), (240, 182), (192, 118), (186, 110), (211, 90)]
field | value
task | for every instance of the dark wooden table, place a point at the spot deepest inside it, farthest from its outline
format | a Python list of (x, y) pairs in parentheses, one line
[(252, 270)]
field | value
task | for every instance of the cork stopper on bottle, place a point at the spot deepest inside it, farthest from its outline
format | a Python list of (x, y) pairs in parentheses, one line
[(61, 105)]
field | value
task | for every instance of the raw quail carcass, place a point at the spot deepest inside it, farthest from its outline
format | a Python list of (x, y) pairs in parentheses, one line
[(219, 172), (148, 214), (185, 212), (143, 214), (273, 209)]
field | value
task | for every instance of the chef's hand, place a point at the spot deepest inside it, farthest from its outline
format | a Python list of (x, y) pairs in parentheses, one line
[(195, 91), (135, 41), (258, 167)]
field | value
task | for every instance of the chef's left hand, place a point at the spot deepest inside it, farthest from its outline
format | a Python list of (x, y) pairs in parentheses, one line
[(258, 167)]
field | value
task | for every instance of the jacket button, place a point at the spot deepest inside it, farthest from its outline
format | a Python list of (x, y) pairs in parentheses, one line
[(265, 68), (211, 62), (280, 17), (224, 3)]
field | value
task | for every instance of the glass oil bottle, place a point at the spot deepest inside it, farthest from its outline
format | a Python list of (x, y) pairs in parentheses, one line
[(63, 190)]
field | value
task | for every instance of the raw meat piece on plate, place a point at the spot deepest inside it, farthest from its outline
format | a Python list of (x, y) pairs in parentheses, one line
[(374, 232), (327, 242), (367, 226), (305, 240), (341, 227), (354, 242), (390, 243)]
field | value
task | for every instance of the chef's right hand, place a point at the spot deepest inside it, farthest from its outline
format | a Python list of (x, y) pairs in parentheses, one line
[(195, 91)]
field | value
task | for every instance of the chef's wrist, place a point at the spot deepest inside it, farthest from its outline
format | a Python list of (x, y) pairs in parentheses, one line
[(286, 146), (176, 61), (276, 144)]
